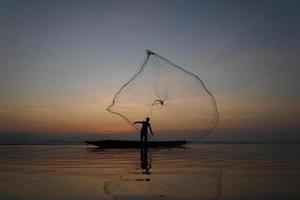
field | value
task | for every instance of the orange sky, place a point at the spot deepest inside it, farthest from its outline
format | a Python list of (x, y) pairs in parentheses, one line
[(90, 116)]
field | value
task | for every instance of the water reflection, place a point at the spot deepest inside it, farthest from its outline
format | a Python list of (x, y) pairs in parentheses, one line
[(219, 184), (145, 163), (59, 172), (141, 183), (135, 183)]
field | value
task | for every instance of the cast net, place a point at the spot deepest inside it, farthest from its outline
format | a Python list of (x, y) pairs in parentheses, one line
[(177, 101)]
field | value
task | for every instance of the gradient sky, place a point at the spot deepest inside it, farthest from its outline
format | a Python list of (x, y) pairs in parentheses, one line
[(62, 61)]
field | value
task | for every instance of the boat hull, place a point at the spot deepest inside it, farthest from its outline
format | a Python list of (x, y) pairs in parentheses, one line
[(122, 144)]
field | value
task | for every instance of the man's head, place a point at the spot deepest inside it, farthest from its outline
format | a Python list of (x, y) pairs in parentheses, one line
[(147, 119)]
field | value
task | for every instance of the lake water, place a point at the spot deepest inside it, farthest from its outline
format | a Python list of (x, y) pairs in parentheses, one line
[(199, 171)]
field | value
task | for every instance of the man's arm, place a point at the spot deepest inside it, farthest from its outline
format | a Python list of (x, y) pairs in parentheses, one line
[(138, 122), (150, 129)]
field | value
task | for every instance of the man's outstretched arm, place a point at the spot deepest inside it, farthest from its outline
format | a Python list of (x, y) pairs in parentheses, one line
[(138, 122)]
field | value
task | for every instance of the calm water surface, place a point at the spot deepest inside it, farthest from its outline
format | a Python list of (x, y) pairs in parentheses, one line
[(199, 171)]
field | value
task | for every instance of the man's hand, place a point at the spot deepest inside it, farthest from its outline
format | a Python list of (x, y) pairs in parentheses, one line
[(152, 133)]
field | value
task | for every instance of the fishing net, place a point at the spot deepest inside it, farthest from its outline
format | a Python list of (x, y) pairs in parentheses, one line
[(177, 101)]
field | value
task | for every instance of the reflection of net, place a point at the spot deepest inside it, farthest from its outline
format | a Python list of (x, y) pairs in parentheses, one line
[(205, 185), (176, 100)]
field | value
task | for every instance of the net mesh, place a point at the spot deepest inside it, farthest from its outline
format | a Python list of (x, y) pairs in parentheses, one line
[(177, 101)]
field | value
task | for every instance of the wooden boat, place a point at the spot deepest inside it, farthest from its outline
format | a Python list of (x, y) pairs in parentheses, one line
[(122, 144)]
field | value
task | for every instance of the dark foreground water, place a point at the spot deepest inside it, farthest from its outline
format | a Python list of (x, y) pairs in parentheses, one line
[(199, 171)]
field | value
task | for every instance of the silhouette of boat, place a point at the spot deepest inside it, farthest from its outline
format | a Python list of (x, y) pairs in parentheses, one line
[(124, 144)]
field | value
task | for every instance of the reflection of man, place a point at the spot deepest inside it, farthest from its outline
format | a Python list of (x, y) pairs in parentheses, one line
[(144, 129), (144, 161)]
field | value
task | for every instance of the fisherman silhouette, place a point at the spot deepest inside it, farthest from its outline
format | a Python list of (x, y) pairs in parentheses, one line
[(144, 129)]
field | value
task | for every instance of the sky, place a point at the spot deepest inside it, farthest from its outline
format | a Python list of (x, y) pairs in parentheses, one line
[(61, 62)]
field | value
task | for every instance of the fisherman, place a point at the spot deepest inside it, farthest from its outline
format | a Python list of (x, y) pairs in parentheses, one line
[(144, 129)]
